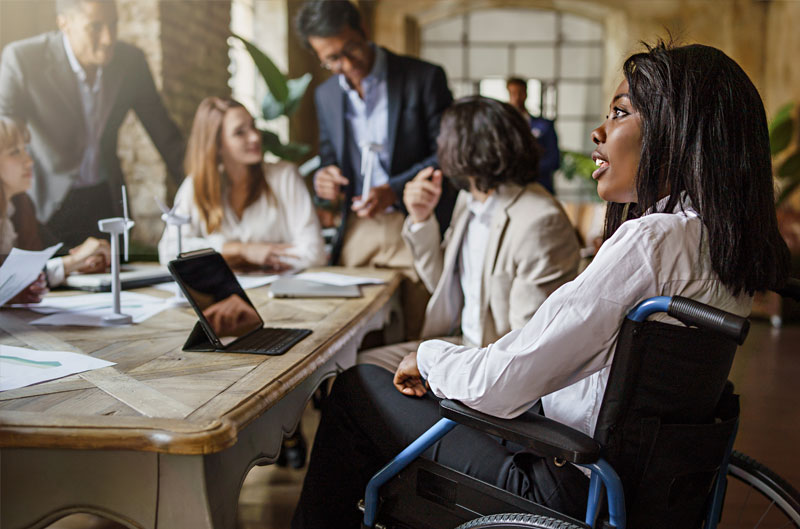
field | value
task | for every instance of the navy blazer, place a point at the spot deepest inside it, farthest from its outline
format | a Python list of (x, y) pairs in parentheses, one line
[(417, 95)]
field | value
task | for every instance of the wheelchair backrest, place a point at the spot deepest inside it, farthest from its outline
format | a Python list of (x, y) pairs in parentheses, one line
[(666, 419)]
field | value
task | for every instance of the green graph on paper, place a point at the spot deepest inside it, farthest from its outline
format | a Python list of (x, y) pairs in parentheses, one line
[(30, 363)]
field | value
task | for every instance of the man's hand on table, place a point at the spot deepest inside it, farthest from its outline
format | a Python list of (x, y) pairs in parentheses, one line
[(408, 379)]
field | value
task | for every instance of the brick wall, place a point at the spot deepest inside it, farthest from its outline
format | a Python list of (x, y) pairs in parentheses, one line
[(185, 42)]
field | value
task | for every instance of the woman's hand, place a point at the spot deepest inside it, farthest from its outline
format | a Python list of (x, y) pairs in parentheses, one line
[(421, 194), (90, 257), (408, 379), (33, 293), (272, 256)]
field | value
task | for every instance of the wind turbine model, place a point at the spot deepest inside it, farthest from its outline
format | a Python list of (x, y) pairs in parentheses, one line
[(116, 226), (171, 218)]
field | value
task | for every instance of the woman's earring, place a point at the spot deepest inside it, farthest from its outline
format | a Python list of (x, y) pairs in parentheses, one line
[(220, 168)]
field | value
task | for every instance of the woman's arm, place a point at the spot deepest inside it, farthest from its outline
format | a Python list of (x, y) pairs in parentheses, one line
[(305, 233), (570, 337)]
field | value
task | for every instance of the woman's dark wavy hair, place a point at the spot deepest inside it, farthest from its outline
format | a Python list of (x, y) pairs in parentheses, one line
[(704, 133), (488, 140)]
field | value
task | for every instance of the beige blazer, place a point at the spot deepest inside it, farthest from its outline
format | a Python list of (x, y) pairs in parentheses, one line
[(532, 251)]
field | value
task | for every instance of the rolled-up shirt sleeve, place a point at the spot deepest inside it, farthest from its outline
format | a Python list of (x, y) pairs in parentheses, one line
[(569, 338)]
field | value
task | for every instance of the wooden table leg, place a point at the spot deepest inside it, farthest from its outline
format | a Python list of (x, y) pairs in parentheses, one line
[(202, 492), (39, 486)]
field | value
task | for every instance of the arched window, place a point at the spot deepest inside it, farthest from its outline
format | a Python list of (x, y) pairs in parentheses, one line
[(560, 54)]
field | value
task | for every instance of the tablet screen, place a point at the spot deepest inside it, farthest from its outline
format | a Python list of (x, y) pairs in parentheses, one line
[(217, 297)]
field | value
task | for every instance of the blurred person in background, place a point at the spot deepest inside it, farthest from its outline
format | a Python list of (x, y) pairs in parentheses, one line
[(543, 130)]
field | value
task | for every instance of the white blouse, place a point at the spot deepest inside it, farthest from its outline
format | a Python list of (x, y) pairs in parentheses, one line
[(563, 354), (288, 218)]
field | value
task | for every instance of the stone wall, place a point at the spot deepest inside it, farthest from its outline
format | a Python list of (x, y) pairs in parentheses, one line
[(185, 42)]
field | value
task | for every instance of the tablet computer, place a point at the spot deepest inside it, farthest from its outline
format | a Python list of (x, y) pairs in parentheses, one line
[(228, 320)]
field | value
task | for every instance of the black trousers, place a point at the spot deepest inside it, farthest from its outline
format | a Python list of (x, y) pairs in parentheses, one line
[(77, 217), (366, 422)]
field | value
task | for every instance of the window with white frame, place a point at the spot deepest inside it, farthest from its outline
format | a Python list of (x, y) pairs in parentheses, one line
[(559, 54)]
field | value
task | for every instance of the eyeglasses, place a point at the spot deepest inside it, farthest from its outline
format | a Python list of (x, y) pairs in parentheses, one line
[(354, 51)]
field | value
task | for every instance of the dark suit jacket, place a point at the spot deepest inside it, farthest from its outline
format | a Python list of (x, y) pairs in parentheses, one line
[(38, 86), (418, 94)]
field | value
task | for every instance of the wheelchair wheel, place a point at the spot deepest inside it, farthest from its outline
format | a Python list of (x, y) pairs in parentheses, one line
[(515, 521), (758, 497)]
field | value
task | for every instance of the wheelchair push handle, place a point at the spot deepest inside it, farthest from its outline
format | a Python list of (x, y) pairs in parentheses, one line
[(698, 314), (692, 312)]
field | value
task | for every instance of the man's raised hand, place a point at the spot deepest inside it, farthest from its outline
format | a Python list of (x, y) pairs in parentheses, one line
[(328, 182), (421, 194)]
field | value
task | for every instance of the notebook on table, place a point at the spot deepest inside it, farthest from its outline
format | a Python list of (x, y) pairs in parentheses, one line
[(228, 320), (130, 276)]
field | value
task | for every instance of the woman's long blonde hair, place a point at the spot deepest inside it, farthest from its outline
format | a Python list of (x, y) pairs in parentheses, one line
[(11, 134), (203, 162)]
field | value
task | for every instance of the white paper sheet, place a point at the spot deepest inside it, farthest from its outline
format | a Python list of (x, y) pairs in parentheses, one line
[(21, 367), (89, 309), (332, 278), (20, 269), (247, 282)]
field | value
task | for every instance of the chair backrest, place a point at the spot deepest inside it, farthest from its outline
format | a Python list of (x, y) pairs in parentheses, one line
[(666, 418)]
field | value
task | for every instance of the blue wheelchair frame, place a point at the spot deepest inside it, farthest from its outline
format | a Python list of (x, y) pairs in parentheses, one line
[(602, 474)]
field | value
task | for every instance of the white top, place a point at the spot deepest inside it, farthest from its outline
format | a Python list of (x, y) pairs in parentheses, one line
[(470, 266), (289, 218), (54, 269), (563, 354)]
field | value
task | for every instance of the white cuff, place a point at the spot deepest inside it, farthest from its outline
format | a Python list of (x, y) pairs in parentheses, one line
[(427, 353), (55, 271)]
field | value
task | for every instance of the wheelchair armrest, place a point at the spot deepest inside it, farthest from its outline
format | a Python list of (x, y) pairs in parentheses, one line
[(545, 437)]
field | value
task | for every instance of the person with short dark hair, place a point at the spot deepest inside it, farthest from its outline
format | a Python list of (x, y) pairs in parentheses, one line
[(378, 114), (683, 159), (510, 244), (542, 129), (73, 89)]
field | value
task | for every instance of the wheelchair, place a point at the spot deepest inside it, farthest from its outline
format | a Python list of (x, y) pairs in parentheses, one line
[(662, 449)]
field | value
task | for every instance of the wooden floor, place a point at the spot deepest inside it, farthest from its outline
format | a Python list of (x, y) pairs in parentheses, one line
[(766, 373)]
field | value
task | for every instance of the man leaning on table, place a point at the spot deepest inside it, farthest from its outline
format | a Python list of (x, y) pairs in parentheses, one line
[(73, 88), (379, 115)]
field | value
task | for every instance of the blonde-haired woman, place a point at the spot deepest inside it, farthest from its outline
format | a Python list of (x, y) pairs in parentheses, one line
[(256, 214), (18, 224)]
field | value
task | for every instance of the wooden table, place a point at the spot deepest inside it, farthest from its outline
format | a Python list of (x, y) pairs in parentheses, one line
[(164, 438)]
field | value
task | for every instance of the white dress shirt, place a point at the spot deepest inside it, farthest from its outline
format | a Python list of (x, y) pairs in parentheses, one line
[(288, 218), (470, 266), (563, 354)]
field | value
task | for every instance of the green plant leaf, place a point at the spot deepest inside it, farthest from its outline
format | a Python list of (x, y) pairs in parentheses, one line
[(276, 81), (271, 142), (576, 164), (297, 89), (790, 168), (271, 108), (781, 129)]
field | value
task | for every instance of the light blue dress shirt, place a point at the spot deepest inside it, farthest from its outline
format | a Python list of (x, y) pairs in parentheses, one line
[(367, 121)]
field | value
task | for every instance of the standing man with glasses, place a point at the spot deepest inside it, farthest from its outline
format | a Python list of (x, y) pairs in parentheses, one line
[(378, 120)]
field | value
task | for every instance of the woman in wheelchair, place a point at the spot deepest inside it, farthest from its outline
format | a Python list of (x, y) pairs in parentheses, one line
[(684, 161)]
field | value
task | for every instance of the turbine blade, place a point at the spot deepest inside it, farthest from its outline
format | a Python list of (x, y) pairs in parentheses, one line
[(124, 203), (162, 206), (125, 241)]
